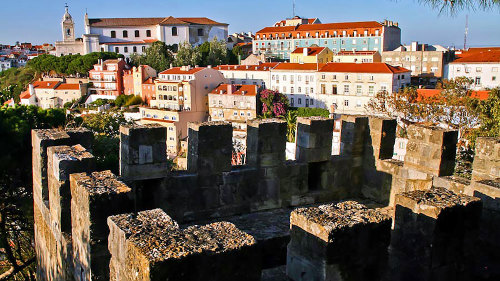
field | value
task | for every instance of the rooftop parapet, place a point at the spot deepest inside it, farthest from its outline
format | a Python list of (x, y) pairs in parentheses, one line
[(314, 139), (216, 251), (431, 150), (344, 239), (210, 147), (143, 152)]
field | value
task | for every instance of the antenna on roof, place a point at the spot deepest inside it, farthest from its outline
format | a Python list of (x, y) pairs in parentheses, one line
[(466, 31), (293, 5)]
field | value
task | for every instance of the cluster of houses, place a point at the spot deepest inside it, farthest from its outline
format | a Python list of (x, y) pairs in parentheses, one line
[(335, 66)]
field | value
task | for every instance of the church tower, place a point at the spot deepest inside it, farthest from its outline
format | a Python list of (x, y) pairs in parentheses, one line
[(68, 26)]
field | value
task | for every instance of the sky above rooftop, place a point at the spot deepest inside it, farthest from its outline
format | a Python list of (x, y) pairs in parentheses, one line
[(39, 21)]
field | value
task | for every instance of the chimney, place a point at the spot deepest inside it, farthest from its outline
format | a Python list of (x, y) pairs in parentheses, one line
[(414, 46), (171, 65), (32, 89), (230, 89), (305, 51), (102, 64)]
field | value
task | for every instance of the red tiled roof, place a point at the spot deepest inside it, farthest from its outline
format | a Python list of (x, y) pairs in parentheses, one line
[(259, 67), (25, 95), (250, 90), (429, 93), (108, 22), (177, 70), (486, 56), (299, 66), (8, 102), (322, 26), (351, 53), (68, 87), (45, 84), (376, 67), (311, 51)]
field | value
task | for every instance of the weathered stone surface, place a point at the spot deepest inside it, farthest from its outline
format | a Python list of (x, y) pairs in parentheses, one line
[(486, 165), (266, 142), (331, 242), (143, 152), (214, 251), (314, 139)]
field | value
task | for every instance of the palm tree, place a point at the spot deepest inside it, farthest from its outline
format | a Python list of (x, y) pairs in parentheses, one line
[(291, 120)]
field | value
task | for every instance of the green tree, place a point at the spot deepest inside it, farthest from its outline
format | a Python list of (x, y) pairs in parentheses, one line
[(16, 203), (488, 113), (204, 49), (218, 53), (159, 56), (291, 125), (187, 55)]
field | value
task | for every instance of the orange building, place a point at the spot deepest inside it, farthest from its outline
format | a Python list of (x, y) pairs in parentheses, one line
[(107, 77), (140, 81)]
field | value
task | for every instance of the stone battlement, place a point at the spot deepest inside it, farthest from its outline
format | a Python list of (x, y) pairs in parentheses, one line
[(101, 226)]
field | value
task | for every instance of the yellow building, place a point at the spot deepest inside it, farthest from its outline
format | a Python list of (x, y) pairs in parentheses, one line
[(311, 55), (233, 103), (181, 96)]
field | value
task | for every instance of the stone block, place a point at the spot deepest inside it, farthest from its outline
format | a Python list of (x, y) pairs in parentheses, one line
[(143, 152), (314, 139), (157, 249), (331, 242), (266, 142), (209, 147), (382, 137), (434, 235), (94, 197), (486, 165)]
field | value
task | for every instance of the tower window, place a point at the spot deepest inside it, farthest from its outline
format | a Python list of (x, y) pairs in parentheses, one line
[(125, 34), (174, 31), (113, 34), (137, 33), (68, 32), (148, 33)]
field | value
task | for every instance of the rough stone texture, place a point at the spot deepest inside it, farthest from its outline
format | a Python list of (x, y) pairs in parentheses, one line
[(94, 197), (266, 142), (313, 139), (344, 241), (217, 251), (486, 164), (143, 152), (431, 150), (434, 235), (209, 147)]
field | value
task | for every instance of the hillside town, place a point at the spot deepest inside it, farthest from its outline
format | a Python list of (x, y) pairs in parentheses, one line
[(140, 130)]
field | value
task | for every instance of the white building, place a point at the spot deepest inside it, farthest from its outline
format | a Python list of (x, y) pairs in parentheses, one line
[(483, 67), (134, 35), (259, 75)]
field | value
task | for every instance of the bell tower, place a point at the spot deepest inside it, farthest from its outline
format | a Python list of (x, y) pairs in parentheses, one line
[(68, 26)]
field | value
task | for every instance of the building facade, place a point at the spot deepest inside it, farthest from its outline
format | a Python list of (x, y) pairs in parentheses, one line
[(52, 94), (181, 96), (233, 103), (357, 56), (70, 45), (139, 81), (424, 61), (280, 40), (311, 55), (482, 67), (259, 74), (107, 78)]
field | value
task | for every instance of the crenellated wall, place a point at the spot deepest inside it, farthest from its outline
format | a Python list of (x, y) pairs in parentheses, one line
[(81, 232)]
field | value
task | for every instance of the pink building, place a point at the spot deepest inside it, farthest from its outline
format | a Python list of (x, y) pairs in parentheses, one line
[(107, 77)]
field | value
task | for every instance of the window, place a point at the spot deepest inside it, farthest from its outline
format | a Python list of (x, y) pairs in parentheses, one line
[(334, 77), (458, 69), (494, 69), (200, 31), (359, 77), (174, 31), (346, 89), (371, 78), (299, 90), (346, 102), (334, 89), (477, 81), (143, 48), (359, 90), (493, 78), (299, 101), (113, 34), (125, 34), (478, 69), (292, 101), (312, 102), (135, 49), (291, 90), (358, 103), (148, 33), (125, 49), (346, 77), (323, 76), (371, 90), (117, 50), (137, 34)]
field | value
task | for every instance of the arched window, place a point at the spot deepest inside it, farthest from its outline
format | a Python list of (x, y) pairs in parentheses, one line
[(135, 49), (137, 33), (113, 34), (174, 31), (125, 34)]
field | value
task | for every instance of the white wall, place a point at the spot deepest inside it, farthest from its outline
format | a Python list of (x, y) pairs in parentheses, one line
[(488, 73)]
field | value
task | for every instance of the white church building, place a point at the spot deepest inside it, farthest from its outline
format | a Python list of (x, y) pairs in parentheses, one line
[(133, 35)]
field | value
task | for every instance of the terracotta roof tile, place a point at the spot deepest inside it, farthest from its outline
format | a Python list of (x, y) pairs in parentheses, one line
[(486, 56), (238, 89), (108, 22), (45, 84), (376, 67), (68, 87), (299, 66), (322, 26), (177, 70), (311, 51), (429, 93)]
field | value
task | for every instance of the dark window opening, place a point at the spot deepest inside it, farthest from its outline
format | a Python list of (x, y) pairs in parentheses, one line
[(174, 31), (137, 33), (113, 34), (125, 34), (148, 33), (200, 32)]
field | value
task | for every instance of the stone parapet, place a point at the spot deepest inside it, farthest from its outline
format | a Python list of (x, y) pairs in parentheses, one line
[(486, 165), (313, 139), (332, 241), (151, 246), (266, 142)]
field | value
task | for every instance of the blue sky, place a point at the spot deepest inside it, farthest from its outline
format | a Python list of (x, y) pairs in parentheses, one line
[(38, 21)]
